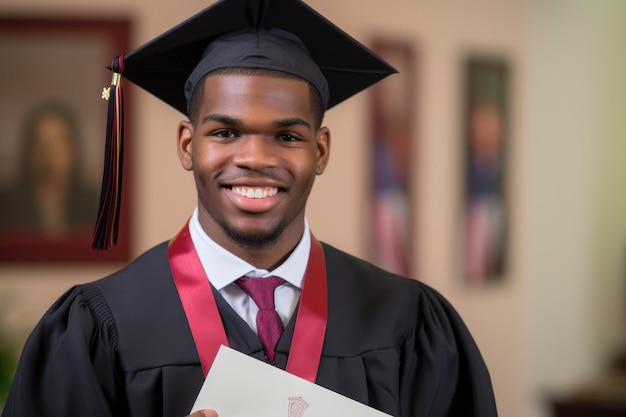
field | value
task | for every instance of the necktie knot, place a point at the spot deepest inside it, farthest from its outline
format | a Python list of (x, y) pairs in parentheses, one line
[(261, 290), (269, 324)]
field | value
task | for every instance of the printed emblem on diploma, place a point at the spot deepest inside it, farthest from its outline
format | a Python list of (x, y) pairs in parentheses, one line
[(297, 406)]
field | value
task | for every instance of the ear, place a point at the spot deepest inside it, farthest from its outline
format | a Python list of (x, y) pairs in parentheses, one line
[(185, 144), (323, 149)]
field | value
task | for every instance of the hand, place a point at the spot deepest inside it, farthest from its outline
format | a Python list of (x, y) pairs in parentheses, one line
[(204, 413)]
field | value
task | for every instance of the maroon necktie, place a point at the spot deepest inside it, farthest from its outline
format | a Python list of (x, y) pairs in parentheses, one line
[(268, 323)]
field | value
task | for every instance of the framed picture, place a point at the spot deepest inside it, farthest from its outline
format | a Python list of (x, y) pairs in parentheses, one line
[(392, 116), (485, 138), (52, 135)]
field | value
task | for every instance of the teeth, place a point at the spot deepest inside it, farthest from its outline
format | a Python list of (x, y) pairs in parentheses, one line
[(255, 192)]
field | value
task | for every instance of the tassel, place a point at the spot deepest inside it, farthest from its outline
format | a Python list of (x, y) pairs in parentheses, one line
[(106, 231)]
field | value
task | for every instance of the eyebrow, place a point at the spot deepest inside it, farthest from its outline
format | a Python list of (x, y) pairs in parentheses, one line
[(296, 121), (220, 118), (231, 121)]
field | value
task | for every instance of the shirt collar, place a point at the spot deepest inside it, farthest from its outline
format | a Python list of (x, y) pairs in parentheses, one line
[(222, 267)]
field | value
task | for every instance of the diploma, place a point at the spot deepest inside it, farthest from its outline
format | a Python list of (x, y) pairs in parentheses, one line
[(240, 386)]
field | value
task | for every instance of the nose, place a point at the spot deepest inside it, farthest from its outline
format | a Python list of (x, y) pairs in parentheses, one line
[(256, 152)]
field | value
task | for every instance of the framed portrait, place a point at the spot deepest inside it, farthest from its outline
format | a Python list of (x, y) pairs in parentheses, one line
[(485, 136), (392, 118), (52, 136)]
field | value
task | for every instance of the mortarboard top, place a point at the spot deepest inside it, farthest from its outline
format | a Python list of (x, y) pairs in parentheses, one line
[(164, 65)]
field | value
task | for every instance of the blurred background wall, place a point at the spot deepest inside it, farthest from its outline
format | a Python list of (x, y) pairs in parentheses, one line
[(558, 316)]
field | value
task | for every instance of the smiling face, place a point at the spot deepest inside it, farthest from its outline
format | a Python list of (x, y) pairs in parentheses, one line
[(254, 149)]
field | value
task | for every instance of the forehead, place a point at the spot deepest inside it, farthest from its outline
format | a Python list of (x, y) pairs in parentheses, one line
[(238, 93)]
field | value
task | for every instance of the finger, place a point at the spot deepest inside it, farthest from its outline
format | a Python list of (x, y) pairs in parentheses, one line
[(204, 413)]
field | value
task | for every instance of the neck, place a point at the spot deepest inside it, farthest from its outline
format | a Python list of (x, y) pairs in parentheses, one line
[(262, 253), (265, 258)]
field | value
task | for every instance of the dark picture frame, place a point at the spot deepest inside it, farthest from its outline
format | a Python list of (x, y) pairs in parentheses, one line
[(392, 126), (52, 135), (485, 211)]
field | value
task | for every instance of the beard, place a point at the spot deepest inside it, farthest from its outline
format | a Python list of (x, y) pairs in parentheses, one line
[(253, 240)]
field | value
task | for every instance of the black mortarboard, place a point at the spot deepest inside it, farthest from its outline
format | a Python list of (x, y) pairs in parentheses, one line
[(283, 35)]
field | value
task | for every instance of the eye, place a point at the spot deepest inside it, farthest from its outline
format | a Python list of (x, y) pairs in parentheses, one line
[(288, 137), (224, 133)]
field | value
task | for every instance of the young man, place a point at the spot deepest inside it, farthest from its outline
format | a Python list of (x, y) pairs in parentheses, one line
[(254, 79)]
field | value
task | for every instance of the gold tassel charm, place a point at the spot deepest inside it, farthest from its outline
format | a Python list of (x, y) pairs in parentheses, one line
[(106, 93)]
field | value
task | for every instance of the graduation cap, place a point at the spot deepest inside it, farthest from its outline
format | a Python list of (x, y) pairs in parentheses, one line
[(282, 35)]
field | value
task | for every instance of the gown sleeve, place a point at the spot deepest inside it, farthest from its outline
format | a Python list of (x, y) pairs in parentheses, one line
[(68, 364), (443, 372)]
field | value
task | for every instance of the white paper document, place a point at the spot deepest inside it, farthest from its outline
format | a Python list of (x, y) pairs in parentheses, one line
[(240, 386)]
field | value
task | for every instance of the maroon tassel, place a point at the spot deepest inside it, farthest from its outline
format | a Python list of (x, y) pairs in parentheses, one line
[(105, 233)]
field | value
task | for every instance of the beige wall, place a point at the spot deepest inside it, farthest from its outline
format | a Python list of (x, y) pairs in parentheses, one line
[(560, 309), (575, 244)]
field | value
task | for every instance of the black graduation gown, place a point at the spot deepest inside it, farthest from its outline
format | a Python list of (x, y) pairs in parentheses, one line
[(121, 346)]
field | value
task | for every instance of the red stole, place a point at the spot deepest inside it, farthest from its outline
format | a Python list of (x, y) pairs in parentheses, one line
[(204, 318)]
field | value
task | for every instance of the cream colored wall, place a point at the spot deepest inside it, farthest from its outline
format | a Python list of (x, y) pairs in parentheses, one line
[(574, 194), (557, 206), (548, 322)]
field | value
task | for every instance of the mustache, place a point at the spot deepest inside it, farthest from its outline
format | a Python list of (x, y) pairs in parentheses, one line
[(241, 175)]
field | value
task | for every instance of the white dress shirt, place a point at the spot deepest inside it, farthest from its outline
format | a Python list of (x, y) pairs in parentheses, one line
[(223, 268)]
